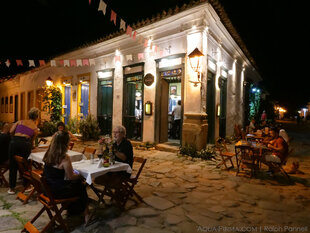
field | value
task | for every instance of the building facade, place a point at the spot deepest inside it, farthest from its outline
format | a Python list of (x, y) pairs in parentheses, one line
[(130, 83)]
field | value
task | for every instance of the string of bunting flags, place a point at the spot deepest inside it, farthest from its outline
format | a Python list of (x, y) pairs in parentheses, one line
[(91, 61)]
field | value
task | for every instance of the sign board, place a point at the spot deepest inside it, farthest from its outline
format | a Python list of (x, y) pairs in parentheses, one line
[(148, 79)]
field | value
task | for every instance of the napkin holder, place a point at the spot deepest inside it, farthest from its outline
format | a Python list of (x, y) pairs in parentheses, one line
[(100, 163)]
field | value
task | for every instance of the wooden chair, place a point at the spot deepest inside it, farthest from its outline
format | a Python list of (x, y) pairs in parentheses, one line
[(49, 205), (89, 150), (4, 167), (71, 144), (247, 161), (121, 191), (25, 167), (226, 156), (278, 167), (43, 140)]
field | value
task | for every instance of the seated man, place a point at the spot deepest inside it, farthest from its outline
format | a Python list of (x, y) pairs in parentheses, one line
[(4, 143), (252, 126), (279, 148), (123, 152)]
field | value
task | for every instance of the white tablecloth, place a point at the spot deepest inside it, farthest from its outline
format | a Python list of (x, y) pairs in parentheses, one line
[(38, 156), (90, 170)]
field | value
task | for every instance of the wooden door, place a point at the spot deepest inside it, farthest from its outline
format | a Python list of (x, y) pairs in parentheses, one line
[(223, 104), (105, 106), (16, 108), (211, 107), (163, 131), (67, 110)]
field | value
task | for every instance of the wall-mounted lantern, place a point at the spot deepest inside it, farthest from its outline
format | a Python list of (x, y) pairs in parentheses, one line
[(195, 60), (148, 108), (49, 82)]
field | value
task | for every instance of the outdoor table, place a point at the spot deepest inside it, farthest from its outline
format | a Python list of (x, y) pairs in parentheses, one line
[(90, 170), (38, 154)]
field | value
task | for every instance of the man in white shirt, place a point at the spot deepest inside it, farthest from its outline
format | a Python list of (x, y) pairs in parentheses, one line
[(176, 113)]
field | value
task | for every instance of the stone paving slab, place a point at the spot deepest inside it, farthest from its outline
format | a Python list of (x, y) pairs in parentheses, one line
[(184, 195)]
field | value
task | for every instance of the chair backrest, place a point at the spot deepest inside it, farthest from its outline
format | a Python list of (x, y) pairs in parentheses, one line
[(71, 144), (42, 140), (220, 144), (89, 150), (142, 162), (23, 164), (42, 187)]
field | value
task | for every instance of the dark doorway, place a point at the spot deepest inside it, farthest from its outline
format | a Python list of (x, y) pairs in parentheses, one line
[(133, 105), (223, 105), (211, 107), (171, 93), (16, 108), (22, 106), (105, 105)]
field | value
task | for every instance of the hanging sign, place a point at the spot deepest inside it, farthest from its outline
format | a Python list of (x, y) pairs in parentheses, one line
[(148, 79)]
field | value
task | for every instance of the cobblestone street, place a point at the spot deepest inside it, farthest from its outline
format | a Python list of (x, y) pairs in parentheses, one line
[(190, 195)]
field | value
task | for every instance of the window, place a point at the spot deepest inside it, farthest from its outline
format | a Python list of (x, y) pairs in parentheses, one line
[(2, 104), (6, 104), (11, 104)]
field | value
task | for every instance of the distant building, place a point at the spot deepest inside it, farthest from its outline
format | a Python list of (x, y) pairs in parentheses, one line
[(125, 75)]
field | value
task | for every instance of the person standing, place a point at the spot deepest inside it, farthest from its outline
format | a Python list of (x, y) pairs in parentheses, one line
[(24, 132), (176, 113), (4, 143), (264, 116)]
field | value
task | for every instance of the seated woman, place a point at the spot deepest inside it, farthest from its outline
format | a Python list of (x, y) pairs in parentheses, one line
[(252, 127), (62, 127), (62, 179)]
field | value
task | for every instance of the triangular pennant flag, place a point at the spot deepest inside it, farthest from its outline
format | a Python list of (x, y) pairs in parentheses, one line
[(92, 62), (117, 58), (146, 41), (113, 17), (19, 63), (78, 62), (134, 35), (53, 63), (122, 25), (140, 56), (72, 62), (66, 63), (42, 62), (129, 30), (102, 7), (8, 63), (129, 57), (89, 2), (155, 48), (31, 63), (61, 62), (85, 62)]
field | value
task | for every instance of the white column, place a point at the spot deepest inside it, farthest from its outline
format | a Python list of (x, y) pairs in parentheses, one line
[(149, 95), (118, 94)]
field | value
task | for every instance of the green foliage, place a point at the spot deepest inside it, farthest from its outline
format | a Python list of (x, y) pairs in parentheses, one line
[(73, 125), (206, 154), (52, 102), (89, 128), (48, 128)]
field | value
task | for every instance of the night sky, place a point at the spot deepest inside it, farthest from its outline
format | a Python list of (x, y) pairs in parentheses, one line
[(274, 31)]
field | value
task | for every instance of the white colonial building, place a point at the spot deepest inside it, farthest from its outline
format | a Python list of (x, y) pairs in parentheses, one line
[(134, 83)]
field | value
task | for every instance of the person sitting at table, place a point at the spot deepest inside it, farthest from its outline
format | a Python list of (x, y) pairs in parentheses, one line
[(62, 127), (123, 152), (251, 126), (63, 181), (284, 135), (24, 131), (4, 144), (279, 148)]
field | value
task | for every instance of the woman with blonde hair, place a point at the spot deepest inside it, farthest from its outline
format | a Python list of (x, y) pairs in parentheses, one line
[(62, 179), (24, 132)]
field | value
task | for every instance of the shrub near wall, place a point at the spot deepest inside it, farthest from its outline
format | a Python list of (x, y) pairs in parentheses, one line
[(89, 128)]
